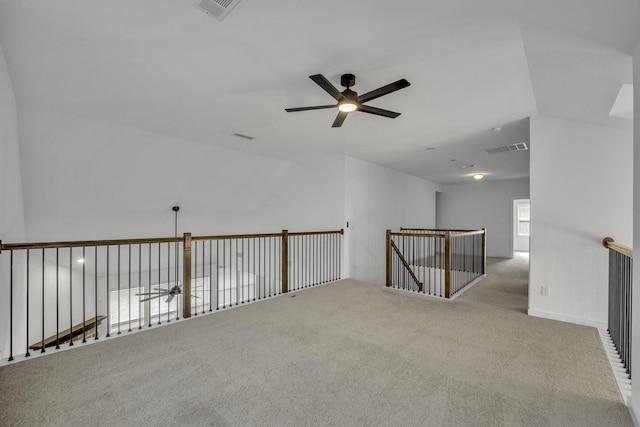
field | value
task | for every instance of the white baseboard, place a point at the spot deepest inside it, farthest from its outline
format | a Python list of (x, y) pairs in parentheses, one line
[(568, 319), (617, 367), (634, 414)]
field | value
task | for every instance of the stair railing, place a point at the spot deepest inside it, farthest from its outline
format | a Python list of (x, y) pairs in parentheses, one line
[(61, 292), (620, 293), (435, 262)]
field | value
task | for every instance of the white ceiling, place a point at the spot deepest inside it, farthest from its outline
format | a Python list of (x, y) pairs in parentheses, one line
[(165, 66)]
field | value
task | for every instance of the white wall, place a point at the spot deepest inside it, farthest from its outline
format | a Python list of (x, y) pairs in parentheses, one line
[(581, 191), (117, 182), (12, 224), (377, 199), (634, 403), (487, 204)]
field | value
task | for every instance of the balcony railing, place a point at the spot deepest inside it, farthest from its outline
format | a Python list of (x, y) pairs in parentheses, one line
[(439, 263), (60, 293), (620, 289)]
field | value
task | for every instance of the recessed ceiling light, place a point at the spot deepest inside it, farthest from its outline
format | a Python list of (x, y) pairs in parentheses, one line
[(496, 129), (430, 148), (80, 261), (478, 176), (453, 160), (467, 166)]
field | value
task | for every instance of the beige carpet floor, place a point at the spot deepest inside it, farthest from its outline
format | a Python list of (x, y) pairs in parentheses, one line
[(343, 354)]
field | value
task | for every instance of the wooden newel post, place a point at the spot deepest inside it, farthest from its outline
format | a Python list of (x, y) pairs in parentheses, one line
[(484, 250), (388, 246), (447, 264), (186, 276), (285, 261)]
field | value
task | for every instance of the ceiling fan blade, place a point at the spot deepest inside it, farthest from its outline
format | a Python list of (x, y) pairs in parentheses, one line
[(171, 296), (327, 86), (339, 119), (384, 90), (318, 107), (378, 111)]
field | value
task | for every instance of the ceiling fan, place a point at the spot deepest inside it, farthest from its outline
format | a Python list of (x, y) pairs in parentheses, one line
[(349, 100), (159, 293)]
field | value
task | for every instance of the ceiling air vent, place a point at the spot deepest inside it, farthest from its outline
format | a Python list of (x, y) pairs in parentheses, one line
[(520, 146), (218, 8)]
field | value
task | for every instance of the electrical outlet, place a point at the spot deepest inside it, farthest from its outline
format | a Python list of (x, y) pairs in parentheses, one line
[(545, 291)]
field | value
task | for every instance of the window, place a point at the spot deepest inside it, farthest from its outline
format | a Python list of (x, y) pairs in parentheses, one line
[(523, 219), (125, 309)]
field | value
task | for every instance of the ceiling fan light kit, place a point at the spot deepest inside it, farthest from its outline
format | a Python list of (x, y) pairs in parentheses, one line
[(349, 101)]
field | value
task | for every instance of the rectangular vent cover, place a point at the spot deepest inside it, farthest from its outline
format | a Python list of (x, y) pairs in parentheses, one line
[(218, 8), (520, 146)]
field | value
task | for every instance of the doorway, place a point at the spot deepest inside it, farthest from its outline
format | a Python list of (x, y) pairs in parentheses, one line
[(521, 225)]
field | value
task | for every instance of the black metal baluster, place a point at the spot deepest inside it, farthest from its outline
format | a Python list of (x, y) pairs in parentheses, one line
[(323, 258), (159, 282), (129, 288), (231, 274), (57, 298), (218, 274), (194, 293), (296, 264), (84, 291), (264, 267), (10, 305), (203, 277), (242, 261), (210, 276), (340, 257), (27, 311), (277, 264), (169, 287), (148, 302), (43, 298), (304, 265), (108, 295), (268, 244), (255, 275), (95, 290), (70, 296), (239, 263), (176, 280), (140, 311), (119, 296), (334, 261), (224, 274), (426, 270)]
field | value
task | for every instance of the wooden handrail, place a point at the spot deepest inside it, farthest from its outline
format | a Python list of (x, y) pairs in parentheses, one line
[(467, 233), (437, 236), (235, 236), (313, 233), (609, 243), (434, 229), (115, 242), (70, 334), (81, 243)]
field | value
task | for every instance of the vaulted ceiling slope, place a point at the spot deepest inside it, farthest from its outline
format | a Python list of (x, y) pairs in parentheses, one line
[(164, 66)]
